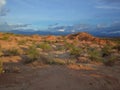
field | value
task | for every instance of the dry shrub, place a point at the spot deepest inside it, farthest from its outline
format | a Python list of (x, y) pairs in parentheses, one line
[(11, 52), (110, 61), (1, 67)]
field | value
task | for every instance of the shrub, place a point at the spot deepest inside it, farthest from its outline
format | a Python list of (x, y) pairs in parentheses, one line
[(11, 52), (22, 42), (6, 37), (56, 62), (32, 54), (68, 46), (45, 46), (117, 47), (75, 51), (60, 48), (94, 55), (1, 67), (1, 53), (50, 60), (106, 50), (110, 61), (1, 64), (36, 58)]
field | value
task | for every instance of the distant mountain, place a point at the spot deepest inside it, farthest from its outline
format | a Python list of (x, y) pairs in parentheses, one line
[(98, 33)]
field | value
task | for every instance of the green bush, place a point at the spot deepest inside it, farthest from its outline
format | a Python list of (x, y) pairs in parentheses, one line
[(75, 51), (94, 55), (45, 46), (34, 57), (32, 54)]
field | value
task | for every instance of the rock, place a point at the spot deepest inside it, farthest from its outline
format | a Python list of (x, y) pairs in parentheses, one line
[(86, 38)]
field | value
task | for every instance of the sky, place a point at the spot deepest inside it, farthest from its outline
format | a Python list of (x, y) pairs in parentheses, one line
[(44, 14)]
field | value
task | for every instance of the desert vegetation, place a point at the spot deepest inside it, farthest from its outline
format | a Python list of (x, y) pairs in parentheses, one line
[(45, 46), (75, 47), (75, 51)]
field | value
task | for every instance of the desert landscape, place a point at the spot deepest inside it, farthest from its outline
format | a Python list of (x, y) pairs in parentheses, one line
[(59, 44), (77, 61)]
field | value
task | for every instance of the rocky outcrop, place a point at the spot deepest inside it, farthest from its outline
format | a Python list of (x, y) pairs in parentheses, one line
[(84, 37)]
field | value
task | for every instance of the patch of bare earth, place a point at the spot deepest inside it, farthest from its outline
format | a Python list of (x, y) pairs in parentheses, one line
[(53, 77)]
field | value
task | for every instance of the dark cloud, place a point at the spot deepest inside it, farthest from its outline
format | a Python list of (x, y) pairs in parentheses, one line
[(72, 28), (98, 29), (7, 27)]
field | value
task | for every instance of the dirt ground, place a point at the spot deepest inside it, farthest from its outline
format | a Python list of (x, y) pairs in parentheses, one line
[(55, 77)]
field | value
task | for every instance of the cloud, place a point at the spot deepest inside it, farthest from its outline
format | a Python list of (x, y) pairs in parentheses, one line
[(3, 11), (102, 26), (2, 3), (116, 23), (53, 25), (110, 1), (101, 29), (71, 28), (7, 27), (108, 4), (108, 7)]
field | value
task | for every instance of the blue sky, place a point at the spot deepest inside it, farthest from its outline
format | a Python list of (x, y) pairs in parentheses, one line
[(40, 14)]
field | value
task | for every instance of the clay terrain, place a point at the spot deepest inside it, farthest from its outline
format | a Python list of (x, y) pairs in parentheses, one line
[(73, 62)]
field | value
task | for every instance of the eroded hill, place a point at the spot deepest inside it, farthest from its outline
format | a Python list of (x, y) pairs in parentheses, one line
[(73, 62)]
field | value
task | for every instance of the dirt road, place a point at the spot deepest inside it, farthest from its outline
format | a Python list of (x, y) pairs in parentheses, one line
[(61, 78)]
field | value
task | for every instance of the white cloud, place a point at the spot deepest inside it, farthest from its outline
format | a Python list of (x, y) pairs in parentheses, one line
[(102, 26), (2, 3), (61, 30), (115, 32), (108, 7), (3, 11), (110, 1)]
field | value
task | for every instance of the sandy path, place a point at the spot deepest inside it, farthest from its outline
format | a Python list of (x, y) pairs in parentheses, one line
[(59, 78)]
